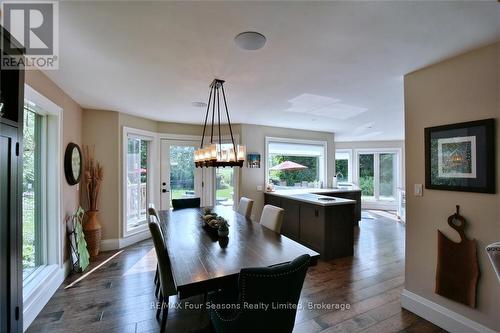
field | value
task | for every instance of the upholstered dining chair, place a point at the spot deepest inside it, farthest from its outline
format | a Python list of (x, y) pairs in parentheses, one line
[(245, 207), (167, 284), (272, 217), (277, 287), (185, 203), (152, 216)]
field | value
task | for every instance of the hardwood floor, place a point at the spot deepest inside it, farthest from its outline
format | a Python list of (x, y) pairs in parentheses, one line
[(354, 294)]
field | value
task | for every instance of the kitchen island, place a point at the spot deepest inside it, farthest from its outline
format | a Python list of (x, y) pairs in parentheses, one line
[(322, 222)]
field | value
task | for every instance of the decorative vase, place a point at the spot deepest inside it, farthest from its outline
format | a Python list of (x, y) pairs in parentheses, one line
[(223, 233), (92, 231)]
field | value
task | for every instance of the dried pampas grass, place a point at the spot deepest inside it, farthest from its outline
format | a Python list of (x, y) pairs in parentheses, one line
[(93, 178)]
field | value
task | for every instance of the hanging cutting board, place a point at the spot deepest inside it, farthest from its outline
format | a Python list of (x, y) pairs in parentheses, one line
[(457, 270)]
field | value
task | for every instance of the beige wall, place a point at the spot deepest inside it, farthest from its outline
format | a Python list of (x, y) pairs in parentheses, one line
[(100, 133), (254, 137), (460, 89), (72, 120)]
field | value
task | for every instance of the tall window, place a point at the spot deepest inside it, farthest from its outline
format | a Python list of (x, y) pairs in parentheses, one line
[(42, 167), (343, 165), (137, 181), (295, 163), (33, 218)]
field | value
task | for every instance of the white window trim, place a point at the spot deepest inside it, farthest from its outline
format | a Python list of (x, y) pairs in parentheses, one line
[(379, 204), (349, 164), (38, 289), (323, 176), (153, 176)]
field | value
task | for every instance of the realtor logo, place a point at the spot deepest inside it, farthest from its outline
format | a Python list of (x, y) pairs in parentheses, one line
[(35, 25)]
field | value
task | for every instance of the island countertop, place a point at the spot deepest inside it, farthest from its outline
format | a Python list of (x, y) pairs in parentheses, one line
[(323, 222), (307, 195), (299, 190)]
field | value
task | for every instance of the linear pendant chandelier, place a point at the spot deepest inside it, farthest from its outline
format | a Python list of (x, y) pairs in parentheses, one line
[(215, 154)]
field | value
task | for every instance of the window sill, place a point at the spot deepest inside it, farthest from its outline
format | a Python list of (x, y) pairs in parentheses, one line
[(37, 279), (136, 230)]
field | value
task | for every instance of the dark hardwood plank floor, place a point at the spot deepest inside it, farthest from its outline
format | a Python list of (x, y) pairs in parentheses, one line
[(355, 294)]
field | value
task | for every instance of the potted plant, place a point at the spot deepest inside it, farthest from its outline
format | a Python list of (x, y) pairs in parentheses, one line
[(93, 178), (223, 230)]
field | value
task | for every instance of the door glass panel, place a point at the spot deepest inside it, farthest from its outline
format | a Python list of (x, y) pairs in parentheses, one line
[(137, 181), (32, 242), (366, 175), (387, 183), (224, 183), (182, 172)]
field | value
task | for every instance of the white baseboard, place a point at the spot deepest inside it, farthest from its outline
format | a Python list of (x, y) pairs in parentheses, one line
[(439, 315), (120, 243), (110, 244), (41, 294)]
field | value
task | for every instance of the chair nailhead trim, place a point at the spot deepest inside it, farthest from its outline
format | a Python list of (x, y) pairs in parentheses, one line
[(242, 298)]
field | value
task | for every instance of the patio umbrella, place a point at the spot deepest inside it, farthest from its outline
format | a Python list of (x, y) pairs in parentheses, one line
[(288, 166)]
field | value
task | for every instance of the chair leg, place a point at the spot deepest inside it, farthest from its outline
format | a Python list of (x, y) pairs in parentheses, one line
[(164, 305), (158, 310), (157, 291)]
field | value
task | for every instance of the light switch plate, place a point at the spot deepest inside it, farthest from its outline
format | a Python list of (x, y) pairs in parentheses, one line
[(419, 190), (259, 188)]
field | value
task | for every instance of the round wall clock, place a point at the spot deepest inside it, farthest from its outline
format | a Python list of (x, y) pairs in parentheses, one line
[(73, 163)]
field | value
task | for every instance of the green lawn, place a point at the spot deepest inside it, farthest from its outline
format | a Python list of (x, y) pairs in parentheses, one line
[(225, 193), (28, 232), (178, 193)]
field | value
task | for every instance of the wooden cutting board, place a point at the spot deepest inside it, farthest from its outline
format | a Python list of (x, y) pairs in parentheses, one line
[(457, 270)]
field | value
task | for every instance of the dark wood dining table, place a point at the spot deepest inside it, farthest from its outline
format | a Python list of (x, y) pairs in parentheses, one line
[(201, 261)]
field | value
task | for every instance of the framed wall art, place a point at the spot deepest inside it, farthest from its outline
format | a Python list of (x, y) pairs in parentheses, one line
[(253, 160), (461, 157)]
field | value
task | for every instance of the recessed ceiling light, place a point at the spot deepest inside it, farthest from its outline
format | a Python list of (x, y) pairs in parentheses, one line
[(199, 104), (250, 40)]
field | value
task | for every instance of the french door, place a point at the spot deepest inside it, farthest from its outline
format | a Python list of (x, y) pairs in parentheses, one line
[(179, 177), (378, 176)]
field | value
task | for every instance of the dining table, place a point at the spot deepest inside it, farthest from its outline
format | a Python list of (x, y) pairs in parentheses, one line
[(201, 261)]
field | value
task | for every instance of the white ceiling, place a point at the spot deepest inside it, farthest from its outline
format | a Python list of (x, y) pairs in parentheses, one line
[(329, 66)]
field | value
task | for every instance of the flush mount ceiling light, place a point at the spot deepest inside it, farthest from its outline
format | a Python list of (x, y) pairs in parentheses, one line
[(250, 40), (214, 154)]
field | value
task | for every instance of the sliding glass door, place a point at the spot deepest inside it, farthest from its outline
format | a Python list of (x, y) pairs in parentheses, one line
[(377, 176), (387, 176)]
